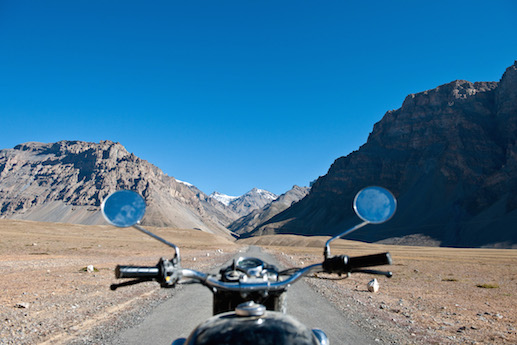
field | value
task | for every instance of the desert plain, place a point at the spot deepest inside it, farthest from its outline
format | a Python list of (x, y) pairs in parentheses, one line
[(436, 295)]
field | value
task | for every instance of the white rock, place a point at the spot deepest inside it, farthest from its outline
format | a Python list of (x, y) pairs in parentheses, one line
[(22, 305), (373, 285)]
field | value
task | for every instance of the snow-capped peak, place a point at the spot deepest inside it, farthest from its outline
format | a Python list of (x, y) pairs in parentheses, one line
[(223, 198), (264, 193), (185, 183)]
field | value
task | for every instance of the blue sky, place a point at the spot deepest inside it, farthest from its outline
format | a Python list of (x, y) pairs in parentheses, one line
[(231, 95)]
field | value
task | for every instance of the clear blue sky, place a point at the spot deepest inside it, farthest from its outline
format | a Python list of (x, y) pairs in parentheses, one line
[(231, 95)]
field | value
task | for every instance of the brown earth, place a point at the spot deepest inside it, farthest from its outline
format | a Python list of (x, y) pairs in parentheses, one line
[(437, 295), (47, 297)]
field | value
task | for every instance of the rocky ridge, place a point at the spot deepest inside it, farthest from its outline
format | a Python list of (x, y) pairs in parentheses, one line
[(248, 223), (246, 203), (66, 182), (449, 155)]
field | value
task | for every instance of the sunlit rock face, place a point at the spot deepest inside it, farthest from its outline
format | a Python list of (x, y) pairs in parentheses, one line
[(67, 181), (449, 155)]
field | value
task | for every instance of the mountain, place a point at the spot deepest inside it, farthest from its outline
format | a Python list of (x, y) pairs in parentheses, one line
[(66, 182), (247, 224), (449, 155), (223, 198), (244, 204)]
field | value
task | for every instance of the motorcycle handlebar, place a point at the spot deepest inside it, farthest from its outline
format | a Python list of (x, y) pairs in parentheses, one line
[(344, 264), (370, 260), (137, 272), (337, 264)]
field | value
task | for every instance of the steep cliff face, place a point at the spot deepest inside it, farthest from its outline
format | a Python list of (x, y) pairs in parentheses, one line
[(66, 182), (449, 155)]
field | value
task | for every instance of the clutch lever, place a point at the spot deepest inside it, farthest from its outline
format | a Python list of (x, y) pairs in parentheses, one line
[(113, 287), (380, 273)]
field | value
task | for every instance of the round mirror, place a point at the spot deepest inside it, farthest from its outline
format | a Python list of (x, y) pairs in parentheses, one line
[(123, 208), (375, 204)]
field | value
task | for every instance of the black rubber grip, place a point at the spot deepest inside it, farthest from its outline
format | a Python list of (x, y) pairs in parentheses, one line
[(137, 272), (336, 264), (370, 260), (343, 264)]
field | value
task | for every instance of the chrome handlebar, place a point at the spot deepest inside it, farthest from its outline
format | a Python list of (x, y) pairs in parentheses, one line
[(213, 282), (168, 273)]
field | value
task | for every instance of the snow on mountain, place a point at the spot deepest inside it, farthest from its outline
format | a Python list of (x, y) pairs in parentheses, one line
[(185, 183), (246, 225), (223, 198), (244, 204)]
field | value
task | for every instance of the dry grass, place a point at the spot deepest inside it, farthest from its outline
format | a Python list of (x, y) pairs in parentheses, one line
[(441, 295)]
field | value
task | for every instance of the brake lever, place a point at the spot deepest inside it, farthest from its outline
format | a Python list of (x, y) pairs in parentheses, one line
[(380, 273), (113, 287)]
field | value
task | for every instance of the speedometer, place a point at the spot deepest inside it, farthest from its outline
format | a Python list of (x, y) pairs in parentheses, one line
[(252, 266)]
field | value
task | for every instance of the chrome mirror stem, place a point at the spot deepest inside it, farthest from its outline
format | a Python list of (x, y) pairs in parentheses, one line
[(326, 253), (147, 232)]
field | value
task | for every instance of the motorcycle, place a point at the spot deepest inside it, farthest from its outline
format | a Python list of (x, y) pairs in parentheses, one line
[(249, 295)]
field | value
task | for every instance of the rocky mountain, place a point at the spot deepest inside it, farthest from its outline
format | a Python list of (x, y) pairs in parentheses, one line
[(223, 198), (248, 223), (449, 155), (244, 204), (66, 182)]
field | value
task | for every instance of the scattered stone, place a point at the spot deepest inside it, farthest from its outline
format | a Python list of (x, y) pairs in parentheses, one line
[(373, 285), (22, 305)]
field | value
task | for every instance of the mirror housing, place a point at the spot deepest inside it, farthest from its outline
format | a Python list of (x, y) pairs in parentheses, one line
[(374, 205), (123, 208)]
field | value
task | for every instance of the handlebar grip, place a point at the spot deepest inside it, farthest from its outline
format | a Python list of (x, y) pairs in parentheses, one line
[(370, 260), (137, 272), (343, 263)]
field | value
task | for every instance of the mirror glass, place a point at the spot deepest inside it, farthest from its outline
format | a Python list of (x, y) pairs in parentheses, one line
[(123, 208), (375, 204)]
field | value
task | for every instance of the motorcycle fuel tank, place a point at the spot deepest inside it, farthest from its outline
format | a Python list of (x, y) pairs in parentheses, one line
[(266, 329)]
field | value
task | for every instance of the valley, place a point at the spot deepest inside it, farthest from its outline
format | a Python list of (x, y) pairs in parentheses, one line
[(437, 295)]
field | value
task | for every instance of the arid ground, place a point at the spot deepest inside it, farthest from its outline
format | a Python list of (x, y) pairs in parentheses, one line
[(437, 295)]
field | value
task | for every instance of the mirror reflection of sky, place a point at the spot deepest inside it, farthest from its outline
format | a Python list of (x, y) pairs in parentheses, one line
[(375, 205), (124, 208)]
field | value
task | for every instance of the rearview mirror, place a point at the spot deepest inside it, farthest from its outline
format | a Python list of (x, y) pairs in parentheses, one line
[(375, 205), (123, 208)]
